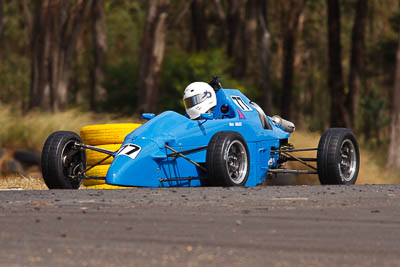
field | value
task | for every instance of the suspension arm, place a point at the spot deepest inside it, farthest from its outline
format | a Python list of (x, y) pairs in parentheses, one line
[(292, 171), (303, 159), (188, 151), (101, 150), (294, 150), (183, 156)]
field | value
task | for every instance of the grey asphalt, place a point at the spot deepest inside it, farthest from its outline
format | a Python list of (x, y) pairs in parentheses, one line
[(262, 226)]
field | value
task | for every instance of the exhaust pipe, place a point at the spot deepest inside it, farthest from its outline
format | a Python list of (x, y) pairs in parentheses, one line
[(285, 125)]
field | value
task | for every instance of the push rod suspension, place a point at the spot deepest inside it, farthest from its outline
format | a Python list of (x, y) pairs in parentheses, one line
[(181, 179), (109, 153), (303, 159), (94, 177), (188, 151), (183, 156), (101, 150), (292, 171), (294, 150), (299, 160)]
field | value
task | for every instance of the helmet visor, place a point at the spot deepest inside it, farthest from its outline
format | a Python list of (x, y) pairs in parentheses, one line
[(195, 100)]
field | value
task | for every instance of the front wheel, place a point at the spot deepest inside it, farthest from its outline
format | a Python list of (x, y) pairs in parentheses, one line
[(228, 160), (338, 157), (62, 162)]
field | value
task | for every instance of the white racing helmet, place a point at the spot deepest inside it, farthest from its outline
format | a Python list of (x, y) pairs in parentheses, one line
[(199, 97)]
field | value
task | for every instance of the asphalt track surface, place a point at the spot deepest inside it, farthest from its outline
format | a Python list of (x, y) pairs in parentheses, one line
[(262, 226)]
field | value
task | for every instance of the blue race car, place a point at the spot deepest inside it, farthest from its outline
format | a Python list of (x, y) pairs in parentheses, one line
[(231, 144)]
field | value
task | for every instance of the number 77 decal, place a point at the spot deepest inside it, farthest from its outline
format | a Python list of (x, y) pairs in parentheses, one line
[(129, 150), (240, 103)]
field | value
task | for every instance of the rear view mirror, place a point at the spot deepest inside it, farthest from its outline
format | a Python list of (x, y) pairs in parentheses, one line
[(148, 116), (206, 116)]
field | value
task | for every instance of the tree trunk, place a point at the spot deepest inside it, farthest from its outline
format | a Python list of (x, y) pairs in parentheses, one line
[(338, 116), (233, 19), (220, 11), (242, 36), (2, 20), (56, 26), (198, 32), (39, 92), (235, 47), (249, 41), (291, 29), (152, 54), (357, 60), (97, 91), (264, 48), (394, 144)]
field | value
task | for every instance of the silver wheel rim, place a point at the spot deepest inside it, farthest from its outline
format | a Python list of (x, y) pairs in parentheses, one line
[(70, 167), (348, 160), (236, 161)]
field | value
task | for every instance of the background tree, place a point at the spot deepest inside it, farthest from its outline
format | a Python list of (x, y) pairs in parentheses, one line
[(199, 24), (235, 46), (56, 27), (2, 22), (98, 92), (249, 46), (152, 54), (338, 113), (394, 144), (264, 41), (357, 60), (242, 37), (290, 19)]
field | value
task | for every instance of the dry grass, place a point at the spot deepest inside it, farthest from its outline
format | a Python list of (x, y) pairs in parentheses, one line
[(371, 172), (31, 130), (30, 182), (22, 182)]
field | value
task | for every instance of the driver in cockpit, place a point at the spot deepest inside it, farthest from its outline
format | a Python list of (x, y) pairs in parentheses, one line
[(199, 97)]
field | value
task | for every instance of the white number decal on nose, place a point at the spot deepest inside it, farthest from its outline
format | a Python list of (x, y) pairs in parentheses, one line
[(129, 150)]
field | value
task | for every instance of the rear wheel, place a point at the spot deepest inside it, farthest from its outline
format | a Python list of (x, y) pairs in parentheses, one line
[(338, 157), (228, 160), (62, 162)]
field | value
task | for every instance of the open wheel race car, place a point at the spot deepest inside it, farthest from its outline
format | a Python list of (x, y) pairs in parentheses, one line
[(234, 145)]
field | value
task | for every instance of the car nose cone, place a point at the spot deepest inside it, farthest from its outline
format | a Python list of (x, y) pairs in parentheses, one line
[(136, 165)]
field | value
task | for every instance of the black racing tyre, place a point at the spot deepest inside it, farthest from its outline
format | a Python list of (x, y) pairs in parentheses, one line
[(61, 160), (338, 157), (228, 159)]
